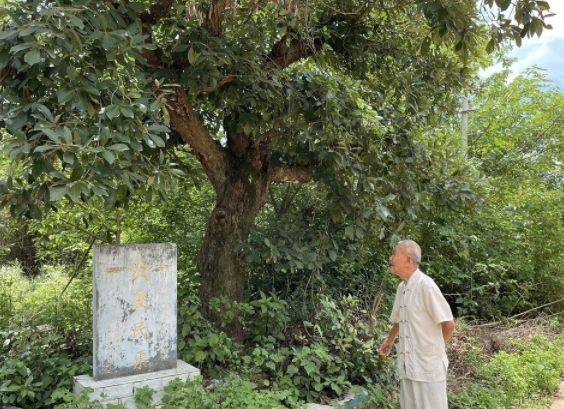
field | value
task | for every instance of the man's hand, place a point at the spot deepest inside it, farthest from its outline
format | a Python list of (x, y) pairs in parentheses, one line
[(386, 347), (388, 343)]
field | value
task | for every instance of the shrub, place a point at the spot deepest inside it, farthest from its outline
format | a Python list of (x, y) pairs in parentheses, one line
[(532, 371), (324, 358), (35, 363), (524, 377), (41, 300), (302, 361), (199, 341), (232, 393)]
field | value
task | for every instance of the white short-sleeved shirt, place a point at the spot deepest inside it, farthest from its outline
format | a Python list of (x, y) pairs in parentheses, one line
[(419, 308)]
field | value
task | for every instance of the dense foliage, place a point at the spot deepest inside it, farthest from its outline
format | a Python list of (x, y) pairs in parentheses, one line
[(486, 238), (103, 100), (183, 122), (523, 374), (505, 258)]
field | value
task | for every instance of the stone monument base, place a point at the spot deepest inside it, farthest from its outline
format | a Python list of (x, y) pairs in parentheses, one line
[(122, 390)]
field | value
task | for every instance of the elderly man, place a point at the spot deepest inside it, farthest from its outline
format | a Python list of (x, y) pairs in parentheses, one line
[(423, 320)]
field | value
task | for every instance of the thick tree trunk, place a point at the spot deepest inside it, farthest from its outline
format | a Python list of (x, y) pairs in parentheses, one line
[(24, 251), (221, 267)]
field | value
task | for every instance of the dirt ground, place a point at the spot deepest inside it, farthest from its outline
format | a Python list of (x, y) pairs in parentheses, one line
[(559, 398), (489, 339)]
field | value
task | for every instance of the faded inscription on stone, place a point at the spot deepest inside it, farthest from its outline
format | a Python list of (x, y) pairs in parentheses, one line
[(134, 309)]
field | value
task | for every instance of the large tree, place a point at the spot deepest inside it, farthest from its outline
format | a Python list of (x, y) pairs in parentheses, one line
[(104, 99)]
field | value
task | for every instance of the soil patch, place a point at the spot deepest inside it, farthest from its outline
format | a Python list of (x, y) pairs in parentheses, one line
[(481, 342), (559, 398)]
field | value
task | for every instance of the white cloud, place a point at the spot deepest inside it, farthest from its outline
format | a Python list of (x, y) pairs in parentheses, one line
[(557, 23), (546, 52)]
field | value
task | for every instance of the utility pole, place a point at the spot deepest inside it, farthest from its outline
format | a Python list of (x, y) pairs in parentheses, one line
[(464, 126)]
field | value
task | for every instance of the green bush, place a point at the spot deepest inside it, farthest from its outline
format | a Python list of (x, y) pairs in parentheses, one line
[(303, 361), (199, 341), (525, 377), (45, 336), (36, 363), (533, 371), (41, 300), (13, 289), (478, 397), (232, 393), (325, 358)]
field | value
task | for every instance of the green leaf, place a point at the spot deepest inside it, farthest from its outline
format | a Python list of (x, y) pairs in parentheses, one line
[(43, 148), (65, 95), (490, 46), (69, 157), (192, 56), (21, 47), (332, 255), (74, 192), (107, 41), (309, 367), (359, 233), (77, 172), (425, 46), (158, 128), (75, 21), (112, 111), (35, 212), (34, 29), (91, 90), (291, 370), (338, 390), (55, 193), (108, 156), (45, 111), (5, 34), (126, 112), (157, 140), (33, 56), (119, 147), (55, 137)]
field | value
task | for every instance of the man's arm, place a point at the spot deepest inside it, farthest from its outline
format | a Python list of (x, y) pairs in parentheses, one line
[(388, 343), (448, 329)]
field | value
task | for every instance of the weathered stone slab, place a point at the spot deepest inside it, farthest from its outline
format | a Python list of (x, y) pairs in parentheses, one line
[(134, 309)]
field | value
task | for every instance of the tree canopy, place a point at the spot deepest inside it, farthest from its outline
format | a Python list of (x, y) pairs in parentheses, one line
[(102, 100)]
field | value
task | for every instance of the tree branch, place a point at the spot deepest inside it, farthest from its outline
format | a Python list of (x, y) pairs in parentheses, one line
[(273, 201), (291, 174), (284, 55), (157, 11), (269, 133), (213, 157), (289, 198), (214, 17), (222, 82), (151, 57)]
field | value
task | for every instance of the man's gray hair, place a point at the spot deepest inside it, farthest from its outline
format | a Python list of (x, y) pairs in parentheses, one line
[(412, 250)]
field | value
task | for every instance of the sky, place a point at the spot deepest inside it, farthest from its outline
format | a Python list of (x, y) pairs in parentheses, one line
[(546, 52)]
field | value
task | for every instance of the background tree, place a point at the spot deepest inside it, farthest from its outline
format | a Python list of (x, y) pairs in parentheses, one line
[(503, 257), (99, 98)]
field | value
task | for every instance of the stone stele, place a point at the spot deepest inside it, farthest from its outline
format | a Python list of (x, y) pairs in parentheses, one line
[(134, 309)]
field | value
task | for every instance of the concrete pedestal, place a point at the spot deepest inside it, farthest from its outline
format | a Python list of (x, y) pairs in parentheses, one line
[(122, 390)]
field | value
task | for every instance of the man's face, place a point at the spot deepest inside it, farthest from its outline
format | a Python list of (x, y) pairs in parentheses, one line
[(399, 261)]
